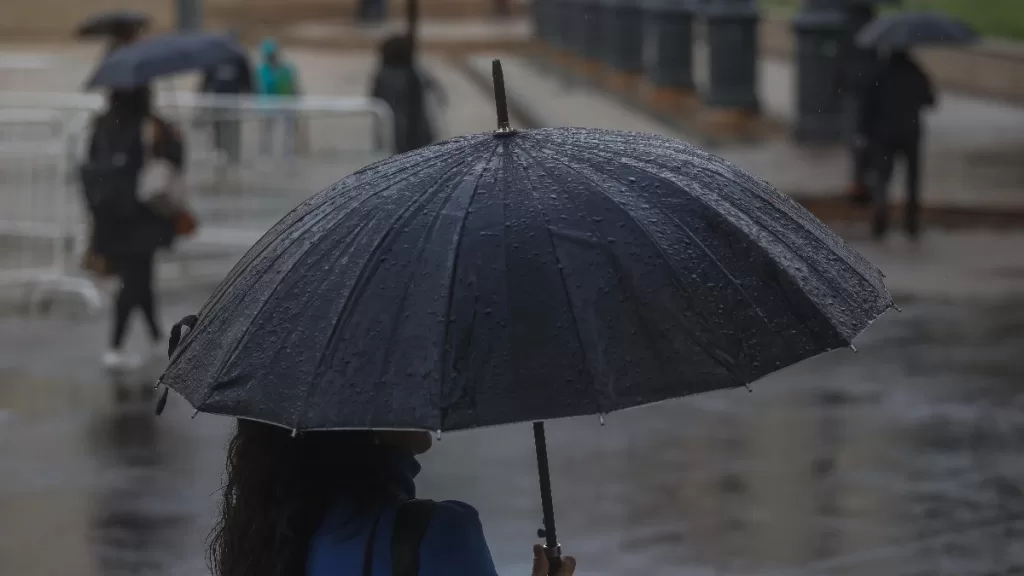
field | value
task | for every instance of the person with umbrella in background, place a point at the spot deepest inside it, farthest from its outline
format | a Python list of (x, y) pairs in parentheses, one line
[(405, 87), (512, 276), (891, 117), (128, 230), (233, 76), (277, 77), (132, 176), (892, 127)]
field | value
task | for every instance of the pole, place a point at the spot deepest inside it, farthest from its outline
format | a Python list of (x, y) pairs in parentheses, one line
[(819, 28), (190, 15), (672, 24), (732, 43), (548, 532)]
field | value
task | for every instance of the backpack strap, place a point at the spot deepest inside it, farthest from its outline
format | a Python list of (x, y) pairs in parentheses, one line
[(370, 543), (411, 523)]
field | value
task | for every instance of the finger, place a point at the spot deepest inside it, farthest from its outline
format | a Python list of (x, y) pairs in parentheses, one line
[(568, 566), (540, 561)]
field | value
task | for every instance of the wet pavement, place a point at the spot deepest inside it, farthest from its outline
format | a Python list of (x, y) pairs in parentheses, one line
[(901, 459)]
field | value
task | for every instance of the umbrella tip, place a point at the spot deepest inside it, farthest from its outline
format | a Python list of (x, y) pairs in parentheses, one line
[(504, 129)]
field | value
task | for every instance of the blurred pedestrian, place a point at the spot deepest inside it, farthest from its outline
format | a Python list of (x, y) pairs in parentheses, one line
[(128, 229), (892, 126), (229, 78), (341, 502), (401, 84), (856, 74), (277, 77)]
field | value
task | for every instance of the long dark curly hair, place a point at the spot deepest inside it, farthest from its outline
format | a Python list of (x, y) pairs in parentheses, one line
[(277, 490)]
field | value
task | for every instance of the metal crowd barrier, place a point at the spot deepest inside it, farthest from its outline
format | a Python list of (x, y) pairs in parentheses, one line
[(250, 160), (37, 222)]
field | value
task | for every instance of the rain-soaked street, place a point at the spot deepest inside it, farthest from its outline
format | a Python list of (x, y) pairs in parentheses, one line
[(901, 459)]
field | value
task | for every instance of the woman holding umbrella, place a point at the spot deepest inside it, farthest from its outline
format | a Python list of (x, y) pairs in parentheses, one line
[(329, 503), (516, 276)]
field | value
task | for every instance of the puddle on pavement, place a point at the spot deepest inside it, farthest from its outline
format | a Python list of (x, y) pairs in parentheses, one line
[(902, 459)]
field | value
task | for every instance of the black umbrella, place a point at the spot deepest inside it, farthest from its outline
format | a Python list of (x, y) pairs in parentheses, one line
[(141, 62), (113, 23), (905, 30), (522, 276)]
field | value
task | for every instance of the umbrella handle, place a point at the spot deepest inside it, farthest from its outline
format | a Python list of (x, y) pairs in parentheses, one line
[(551, 547)]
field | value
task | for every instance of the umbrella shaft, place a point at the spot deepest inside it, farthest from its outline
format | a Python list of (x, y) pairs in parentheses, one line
[(545, 486)]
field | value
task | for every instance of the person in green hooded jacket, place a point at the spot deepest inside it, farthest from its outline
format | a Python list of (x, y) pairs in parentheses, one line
[(277, 77)]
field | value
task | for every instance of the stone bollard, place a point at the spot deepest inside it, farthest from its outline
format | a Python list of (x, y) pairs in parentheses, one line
[(732, 59), (624, 33), (537, 16), (819, 29), (593, 30), (190, 15), (607, 48), (578, 18), (670, 22)]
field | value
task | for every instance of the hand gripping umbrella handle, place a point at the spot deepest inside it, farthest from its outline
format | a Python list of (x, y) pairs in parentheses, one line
[(551, 547)]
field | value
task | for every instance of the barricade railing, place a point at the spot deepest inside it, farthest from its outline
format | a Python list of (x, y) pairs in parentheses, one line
[(38, 229), (250, 160)]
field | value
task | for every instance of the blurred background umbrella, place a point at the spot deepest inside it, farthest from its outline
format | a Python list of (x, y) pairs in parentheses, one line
[(141, 62), (518, 277), (905, 30), (114, 23)]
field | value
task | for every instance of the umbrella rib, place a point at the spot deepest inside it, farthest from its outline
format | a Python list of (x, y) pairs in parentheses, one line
[(709, 254), (697, 341), (779, 238), (628, 287), (365, 274), (791, 249), (224, 289), (419, 251), (451, 282), (319, 217), (565, 285)]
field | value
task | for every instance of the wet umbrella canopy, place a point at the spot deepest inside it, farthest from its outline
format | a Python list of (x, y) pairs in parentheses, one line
[(113, 23), (141, 62), (522, 276), (905, 30)]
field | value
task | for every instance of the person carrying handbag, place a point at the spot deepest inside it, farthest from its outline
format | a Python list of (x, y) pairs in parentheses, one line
[(131, 150)]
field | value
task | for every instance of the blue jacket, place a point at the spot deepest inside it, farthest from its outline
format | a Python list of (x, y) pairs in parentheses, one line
[(453, 544)]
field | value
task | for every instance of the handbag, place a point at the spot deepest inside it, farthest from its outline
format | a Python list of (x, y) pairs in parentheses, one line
[(160, 182)]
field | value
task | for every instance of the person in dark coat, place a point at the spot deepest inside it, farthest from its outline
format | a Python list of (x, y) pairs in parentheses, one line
[(891, 123), (228, 78), (127, 232), (404, 87)]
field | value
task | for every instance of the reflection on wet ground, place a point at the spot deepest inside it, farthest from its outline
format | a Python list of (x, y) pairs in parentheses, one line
[(902, 459)]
